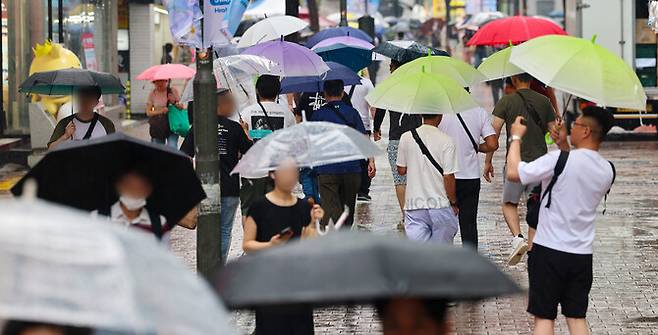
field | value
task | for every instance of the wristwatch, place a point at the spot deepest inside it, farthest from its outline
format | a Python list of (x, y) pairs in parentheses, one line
[(515, 138)]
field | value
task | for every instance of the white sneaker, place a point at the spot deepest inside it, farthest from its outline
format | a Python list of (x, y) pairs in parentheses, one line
[(519, 248)]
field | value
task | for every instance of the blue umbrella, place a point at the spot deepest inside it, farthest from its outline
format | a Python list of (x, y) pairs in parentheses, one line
[(316, 83), (350, 51), (336, 32)]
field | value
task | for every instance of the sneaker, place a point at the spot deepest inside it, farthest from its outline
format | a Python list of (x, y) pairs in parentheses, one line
[(519, 248), (363, 197)]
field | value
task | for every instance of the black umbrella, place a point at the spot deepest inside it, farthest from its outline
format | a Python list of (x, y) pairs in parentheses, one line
[(345, 268), (81, 174), (406, 51), (67, 81)]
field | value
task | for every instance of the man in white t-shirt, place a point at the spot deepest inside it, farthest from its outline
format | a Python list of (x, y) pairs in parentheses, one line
[(468, 130), (428, 157), (560, 261), (357, 95)]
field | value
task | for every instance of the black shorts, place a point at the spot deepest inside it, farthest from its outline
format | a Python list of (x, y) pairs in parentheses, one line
[(557, 277)]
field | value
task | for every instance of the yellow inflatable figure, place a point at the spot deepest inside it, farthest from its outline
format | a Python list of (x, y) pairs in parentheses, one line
[(50, 57)]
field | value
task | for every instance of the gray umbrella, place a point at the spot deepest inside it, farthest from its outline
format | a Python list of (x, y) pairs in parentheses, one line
[(347, 267), (67, 81)]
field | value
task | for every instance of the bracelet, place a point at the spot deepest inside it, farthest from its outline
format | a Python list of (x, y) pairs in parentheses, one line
[(515, 138)]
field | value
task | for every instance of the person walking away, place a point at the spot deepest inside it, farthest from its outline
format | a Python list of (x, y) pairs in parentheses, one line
[(573, 184), (538, 112), (157, 107), (340, 182), (428, 157), (85, 124), (273, 220), (232, 142), (357, 95), (166, 54), (260, 120), (472, 133), (399, 124)]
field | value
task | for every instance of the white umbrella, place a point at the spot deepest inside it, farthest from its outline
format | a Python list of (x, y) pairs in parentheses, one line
[(270, 29), (309, 144), (60, 266)]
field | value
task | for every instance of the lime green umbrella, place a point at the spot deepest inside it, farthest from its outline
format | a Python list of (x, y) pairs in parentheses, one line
[(582, 68), (461, 72), (421, 93), (498, 66)]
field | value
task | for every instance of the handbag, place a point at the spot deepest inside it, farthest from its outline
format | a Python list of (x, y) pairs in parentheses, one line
[(179, 123), (159, 126)]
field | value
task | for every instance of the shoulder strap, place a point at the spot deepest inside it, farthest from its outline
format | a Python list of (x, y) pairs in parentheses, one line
[(156, 224), (351, 92), (532, 112), (267, 117), (468, 132), (425, 151), (559, 167), (605, 198), (92, 125)]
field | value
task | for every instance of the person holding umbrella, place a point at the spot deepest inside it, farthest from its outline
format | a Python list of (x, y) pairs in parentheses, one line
[(85, 124), (157, 107)]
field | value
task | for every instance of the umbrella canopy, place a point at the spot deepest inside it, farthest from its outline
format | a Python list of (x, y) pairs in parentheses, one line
[(345, 268), (421, 93), (67, 81), (406, 51), (336, 32), (294, 59), (515, 29), (80, 174), (498, 66), (310, 144), (350, 51), (271, 28), (61, 266), (167, 72), (582, 68), (314, 84), (457, 70)]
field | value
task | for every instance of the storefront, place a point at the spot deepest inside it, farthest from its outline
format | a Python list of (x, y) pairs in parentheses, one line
[(86, 27)]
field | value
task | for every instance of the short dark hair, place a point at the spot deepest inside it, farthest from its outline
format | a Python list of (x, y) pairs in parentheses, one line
[(90, 90), (436, 308), (524, 77), (14, 327), (168, 47), (268, 86), (430, 116), (333, 88), (603, 119)]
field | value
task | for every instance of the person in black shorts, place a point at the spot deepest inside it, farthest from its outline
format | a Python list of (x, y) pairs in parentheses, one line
[(573, 184)]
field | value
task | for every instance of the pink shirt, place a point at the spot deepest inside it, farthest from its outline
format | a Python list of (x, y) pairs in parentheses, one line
[(159, 98)]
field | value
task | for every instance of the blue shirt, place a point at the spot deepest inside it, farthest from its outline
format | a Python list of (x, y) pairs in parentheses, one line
[(332, 112)]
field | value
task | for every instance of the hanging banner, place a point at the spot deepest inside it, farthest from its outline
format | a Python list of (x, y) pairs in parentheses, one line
[(221, 20), (184, 22), (89, 51)]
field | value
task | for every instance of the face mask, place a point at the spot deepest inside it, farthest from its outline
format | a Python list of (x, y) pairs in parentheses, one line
[(131, 203)]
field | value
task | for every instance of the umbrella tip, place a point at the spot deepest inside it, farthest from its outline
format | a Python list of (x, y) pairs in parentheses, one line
[(594, 38), (29, 190), (510, 43), (281, 38)]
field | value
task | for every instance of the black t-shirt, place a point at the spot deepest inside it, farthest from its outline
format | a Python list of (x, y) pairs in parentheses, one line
[(272, 219), (400, 123), (231, 141)]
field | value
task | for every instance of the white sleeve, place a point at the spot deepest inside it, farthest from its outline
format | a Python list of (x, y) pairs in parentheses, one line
[(289, 119), (487, 127), (449, 159), (540, 169), (402, 151)]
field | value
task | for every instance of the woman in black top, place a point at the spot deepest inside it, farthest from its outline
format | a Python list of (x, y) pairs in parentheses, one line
[(280, 211)]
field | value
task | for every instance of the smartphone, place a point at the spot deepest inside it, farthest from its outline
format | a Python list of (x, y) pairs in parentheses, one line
[(285, 231)]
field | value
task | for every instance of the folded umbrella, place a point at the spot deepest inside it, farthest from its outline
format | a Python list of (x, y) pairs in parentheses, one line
[(166, 72), (67, 81), (61, 266), (498, 66), (457, 70), (314, 84), (350, 51), (310, 144), (515, 30), (421, 93), (80, 174), (582, 68), (406, 51), (271, 28), (294, 59), (348, 267), (336, 32)]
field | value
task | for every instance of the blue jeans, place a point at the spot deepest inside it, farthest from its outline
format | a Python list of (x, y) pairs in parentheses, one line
[(171, 140), (229, 206), (309, 180)]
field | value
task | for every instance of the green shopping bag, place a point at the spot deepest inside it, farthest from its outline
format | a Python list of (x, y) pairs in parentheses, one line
[(179, 123)]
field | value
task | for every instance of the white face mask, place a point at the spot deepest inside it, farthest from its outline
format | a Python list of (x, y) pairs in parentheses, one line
[(131, 203)]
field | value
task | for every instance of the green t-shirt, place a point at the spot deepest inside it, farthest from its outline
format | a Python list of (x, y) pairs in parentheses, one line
[(510, 106)]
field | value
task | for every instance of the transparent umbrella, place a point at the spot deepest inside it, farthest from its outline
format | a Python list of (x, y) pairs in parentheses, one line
[(58, 265), (310, 144)]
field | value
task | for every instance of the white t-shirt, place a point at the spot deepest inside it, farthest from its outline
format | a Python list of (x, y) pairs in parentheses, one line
[(279, 117), (82, 127), (425, 188), (478, 123), (568, 225), (359, 100)]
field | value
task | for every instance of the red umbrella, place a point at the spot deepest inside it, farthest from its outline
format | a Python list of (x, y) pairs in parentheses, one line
[(515, 29), (166, 72)]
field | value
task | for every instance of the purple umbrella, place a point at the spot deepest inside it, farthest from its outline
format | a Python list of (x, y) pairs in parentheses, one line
[(294, 59)]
